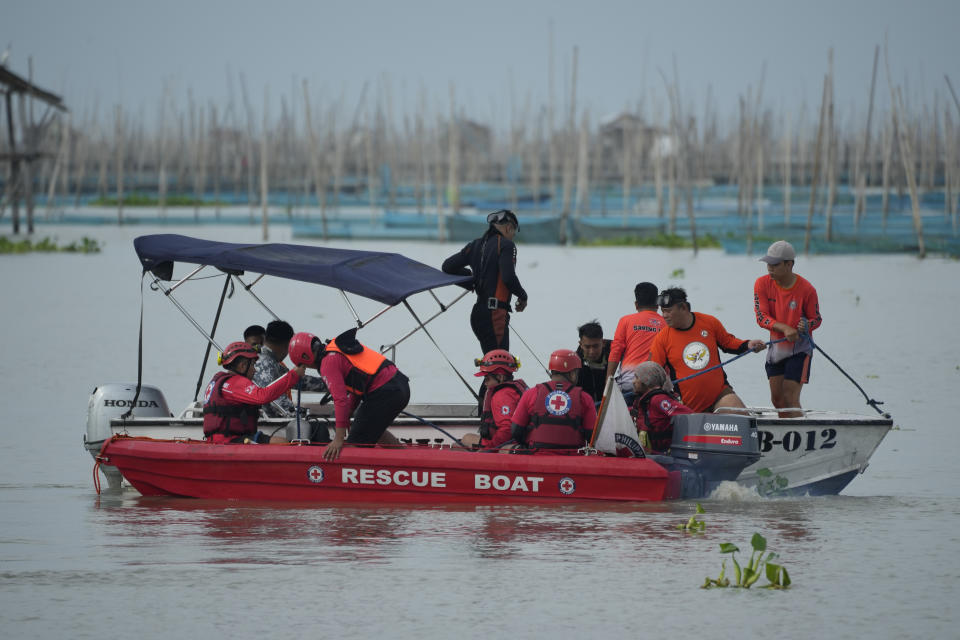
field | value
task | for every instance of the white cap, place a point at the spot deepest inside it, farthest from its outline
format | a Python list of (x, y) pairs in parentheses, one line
[(778, 252)]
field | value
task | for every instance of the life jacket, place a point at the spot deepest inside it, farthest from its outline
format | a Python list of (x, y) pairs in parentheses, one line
[(661, 437), (560, 426), (488, 425), (365, 364), (224, 415)]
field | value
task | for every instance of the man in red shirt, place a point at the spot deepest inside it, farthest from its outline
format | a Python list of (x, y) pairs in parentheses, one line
[(633, 337), (787, 305), (691, 344), (556, 415)]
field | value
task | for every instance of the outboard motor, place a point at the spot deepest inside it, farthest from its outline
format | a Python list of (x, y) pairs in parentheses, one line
[(112, 400), (709, 448)]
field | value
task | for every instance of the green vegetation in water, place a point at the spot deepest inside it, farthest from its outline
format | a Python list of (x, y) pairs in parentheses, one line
[(144, 200), (46, 245), (693, 525), (659, 240), (678, 273), (745, 577), (768, 484)]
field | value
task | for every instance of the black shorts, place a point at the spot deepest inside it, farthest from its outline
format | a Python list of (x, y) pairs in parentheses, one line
[(796, 368), (378, 408)]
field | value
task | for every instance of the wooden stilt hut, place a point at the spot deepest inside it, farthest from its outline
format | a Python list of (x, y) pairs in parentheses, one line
[(23, 147)]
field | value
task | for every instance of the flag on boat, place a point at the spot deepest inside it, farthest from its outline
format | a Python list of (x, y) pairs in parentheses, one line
[(616, 432)]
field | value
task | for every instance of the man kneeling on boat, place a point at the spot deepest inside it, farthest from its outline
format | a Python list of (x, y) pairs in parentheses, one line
[(362, 380), (231, 403), (557, 414)]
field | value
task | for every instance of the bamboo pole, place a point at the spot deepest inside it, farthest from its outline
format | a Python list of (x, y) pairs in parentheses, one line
[(216, 138), (788, 165), (453, 154), (906, 155), (863, 175), (889, 138), (628, 142), (583, 166), (814, 178), (264, 185), (62, 160), (318, 179), (119, 134)]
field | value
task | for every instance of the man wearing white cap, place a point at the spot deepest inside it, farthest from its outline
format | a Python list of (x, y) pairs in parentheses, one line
[(787, 305)]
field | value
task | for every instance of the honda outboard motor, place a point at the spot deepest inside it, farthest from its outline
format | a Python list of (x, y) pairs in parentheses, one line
[(709, 448), (112, 400)]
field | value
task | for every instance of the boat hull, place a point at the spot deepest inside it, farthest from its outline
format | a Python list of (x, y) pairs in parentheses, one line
[(818, 454), (298, 473)]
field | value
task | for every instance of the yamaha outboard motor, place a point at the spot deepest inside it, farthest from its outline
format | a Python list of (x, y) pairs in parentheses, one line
[(709, 448)]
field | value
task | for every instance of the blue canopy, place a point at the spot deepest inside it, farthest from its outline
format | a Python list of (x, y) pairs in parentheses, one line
[(386, 277)]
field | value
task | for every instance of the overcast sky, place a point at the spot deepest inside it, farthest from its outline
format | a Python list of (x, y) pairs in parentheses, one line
[(494, 52)]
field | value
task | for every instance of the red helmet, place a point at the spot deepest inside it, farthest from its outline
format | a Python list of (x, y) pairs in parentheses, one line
[(302, 348), (564, 361), (236, 350), (496, 361)]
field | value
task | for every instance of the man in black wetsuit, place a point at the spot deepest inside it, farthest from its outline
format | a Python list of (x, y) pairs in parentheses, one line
[(491, 260)]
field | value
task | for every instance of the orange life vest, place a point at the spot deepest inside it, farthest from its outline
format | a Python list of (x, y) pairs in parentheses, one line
[(364, 366)]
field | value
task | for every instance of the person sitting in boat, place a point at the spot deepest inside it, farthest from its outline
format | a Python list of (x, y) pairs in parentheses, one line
[(500, 401), (254, 335), (556, 414), (365, 385), (655, 406), (231, 403), (691, 344), (594, 352), (270, 367)]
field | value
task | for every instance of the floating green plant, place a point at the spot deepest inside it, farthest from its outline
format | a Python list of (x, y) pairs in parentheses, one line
[(144, 200), (668, 241), (769, 484), (746, 577), (693, 525), (678, 273), (46, 245)]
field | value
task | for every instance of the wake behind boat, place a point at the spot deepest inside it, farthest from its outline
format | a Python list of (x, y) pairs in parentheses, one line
[(819, 453)]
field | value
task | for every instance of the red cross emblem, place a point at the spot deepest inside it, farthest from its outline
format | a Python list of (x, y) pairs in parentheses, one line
[(558, 402), (567, 486), (315, 474)]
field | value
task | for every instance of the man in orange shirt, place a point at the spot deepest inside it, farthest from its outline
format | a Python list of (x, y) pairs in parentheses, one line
[(787, 305), (691, 343), (633, 337)]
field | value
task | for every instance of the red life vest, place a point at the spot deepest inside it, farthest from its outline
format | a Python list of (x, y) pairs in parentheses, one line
[(488, 425), (225, 415), (660, 433), (365, 365), (556, 420)]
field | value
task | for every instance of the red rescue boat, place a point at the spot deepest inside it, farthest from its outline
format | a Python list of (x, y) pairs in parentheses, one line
[(292, 472)]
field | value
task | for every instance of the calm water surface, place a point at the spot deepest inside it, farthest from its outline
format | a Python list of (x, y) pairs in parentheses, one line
[(879, 561)]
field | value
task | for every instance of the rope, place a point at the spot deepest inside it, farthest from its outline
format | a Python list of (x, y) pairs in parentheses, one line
[(96, 475), (870, 401), (723, 364), (540, 362)]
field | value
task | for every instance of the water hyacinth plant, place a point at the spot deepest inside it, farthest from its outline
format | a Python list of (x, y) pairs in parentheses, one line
[(693, 525), (745, 577)]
